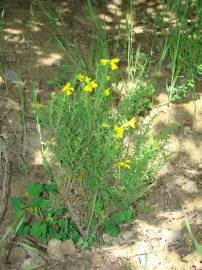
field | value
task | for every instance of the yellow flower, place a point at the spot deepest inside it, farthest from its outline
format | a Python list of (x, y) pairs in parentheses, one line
[(114, 66), (94, 84), (121, 164), (115, 60), (105, 125), (104, 62), (81, 77), (88, 88), (128, 161), (114, 63), (87, 79), (131, 123), (119, 131), (68, 88), (68, 93), (125, 164), (107, 92)]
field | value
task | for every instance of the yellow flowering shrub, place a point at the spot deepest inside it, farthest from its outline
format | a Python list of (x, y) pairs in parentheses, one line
[(88, 139)]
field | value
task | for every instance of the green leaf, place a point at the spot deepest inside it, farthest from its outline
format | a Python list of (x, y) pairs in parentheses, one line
[(111, 228), (23, 229), (20, 213), (52, 188), (18, 202), (34, 189), (38, 229), (99, 207), (41, 203), (198, 247), (61, 222)]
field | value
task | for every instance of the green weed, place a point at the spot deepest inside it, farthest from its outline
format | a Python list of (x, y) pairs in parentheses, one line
[(40, 217), (197, 246), (183, 47)]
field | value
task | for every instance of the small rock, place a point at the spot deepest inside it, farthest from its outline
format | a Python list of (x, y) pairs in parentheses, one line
[(16, 254), (191, 173), (180, 180), (112, 265), (97, 260), (190, 187), (57, 63), (55, 249), (170, 238), (187, 131), (107, 239), (128, 235), (33, 263), (10, 104), (68, 248), (11, 75), (199, 218)]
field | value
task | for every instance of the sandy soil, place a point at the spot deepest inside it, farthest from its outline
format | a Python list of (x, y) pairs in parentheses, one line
[(158, 239)]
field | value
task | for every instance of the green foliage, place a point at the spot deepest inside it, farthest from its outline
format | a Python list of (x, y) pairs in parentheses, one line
[(183, 47), (139, 100), (87, 136), (39, 217)]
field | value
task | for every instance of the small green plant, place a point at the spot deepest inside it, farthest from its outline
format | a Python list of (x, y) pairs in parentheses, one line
[(183, 47), (41, 217), (106, 156)]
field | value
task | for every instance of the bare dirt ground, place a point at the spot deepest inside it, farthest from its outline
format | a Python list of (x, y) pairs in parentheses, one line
[(159, 238)]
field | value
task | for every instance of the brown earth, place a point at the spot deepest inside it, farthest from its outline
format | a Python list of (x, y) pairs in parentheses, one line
[(159, 238)]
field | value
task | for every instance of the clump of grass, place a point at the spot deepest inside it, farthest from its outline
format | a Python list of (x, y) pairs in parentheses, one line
[(183, 48)]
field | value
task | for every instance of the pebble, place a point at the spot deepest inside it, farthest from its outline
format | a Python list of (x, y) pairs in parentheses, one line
[(187, 131), (191, 173), (54, 249), (97, 260), (170, 238), (11, 75), (16, 253), (68, 248), (33, 263), (190, 187)]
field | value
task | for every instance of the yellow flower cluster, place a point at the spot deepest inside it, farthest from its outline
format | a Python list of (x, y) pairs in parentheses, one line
[(113, 63), (91, 84), (68, 89), (120, 129), (125, 164), (130, 124), (107, 92)]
